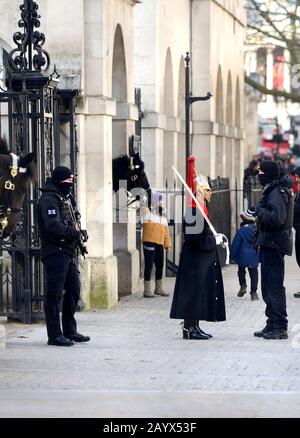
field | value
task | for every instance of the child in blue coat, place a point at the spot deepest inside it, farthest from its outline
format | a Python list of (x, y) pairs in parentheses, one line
[(244, 254)]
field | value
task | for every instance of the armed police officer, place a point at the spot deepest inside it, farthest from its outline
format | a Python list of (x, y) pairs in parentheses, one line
[(61, 237), (274, 238)]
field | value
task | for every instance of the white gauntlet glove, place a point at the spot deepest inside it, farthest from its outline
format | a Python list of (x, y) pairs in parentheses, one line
[(219, 239)]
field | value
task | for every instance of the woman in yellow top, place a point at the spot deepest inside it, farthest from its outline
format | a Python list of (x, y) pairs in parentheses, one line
[(156, 238)]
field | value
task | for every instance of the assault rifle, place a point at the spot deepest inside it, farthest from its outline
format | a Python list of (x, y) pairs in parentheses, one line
[(75, 218)]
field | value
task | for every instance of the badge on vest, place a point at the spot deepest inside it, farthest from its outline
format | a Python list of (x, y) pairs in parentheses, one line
[(51, 212)]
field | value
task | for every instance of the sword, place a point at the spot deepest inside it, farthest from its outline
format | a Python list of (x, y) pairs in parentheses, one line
[(199, 206)]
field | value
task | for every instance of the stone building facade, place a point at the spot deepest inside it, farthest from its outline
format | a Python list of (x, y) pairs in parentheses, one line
[(106, 48)]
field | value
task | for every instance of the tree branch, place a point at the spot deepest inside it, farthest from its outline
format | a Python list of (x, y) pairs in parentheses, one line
[(264, 32), (273, 92), (267, 18)]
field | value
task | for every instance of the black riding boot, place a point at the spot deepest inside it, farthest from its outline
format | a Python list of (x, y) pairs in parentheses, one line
[(191, 330), (202, 331)]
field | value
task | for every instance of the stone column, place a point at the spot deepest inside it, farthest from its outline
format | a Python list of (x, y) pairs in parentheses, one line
[(124, 228), (152, 149), (170, 149), (220, 156), (181, 149), (95, 194), (204, 147), (95, 112)]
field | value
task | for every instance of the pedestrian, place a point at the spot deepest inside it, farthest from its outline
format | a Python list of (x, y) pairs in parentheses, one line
[(250, 180), (199, 291), (156, 239), (60, 239), (274, 238), (295, 179), (245, 255), (296, 224)]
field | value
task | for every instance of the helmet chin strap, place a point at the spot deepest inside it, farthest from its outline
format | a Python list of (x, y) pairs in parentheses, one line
[(201, 196)]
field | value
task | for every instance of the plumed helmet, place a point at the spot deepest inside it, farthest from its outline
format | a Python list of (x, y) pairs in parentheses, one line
[(202, 184)]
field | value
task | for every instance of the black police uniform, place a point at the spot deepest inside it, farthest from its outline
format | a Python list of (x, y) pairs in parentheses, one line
[(297, 226), (297, 229), (275, 240), (59, 244)]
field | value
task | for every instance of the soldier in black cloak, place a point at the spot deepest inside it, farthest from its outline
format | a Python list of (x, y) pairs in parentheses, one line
[(199, 291)]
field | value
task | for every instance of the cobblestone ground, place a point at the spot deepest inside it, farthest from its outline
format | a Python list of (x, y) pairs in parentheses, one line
[(137, 363)]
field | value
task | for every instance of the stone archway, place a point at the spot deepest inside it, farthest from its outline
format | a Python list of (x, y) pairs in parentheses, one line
[(181, 118), (229, 105), (220, 120), (238, 145), (169, 152), (237, 104), (220, 98), (229, 168), (120, 146), (119, 93)]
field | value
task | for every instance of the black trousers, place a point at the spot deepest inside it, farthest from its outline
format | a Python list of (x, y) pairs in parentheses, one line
[(153, 253), (61, 273), (190, 323), (297, 246), (253, 272), (273, 291)]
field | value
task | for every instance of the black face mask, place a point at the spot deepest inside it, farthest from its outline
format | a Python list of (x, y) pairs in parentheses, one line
[(65, 188), (264, 179), (160, 210)]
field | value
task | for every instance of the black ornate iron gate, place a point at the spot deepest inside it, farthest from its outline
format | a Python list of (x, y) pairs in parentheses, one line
[(32, 112)]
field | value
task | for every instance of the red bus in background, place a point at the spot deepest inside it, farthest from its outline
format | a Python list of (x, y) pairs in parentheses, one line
[(273, 139)]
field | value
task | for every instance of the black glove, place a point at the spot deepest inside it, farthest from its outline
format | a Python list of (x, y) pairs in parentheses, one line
[(85, 235), (73, 234)]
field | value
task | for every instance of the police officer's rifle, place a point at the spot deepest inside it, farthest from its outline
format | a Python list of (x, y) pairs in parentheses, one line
[(83, 236)]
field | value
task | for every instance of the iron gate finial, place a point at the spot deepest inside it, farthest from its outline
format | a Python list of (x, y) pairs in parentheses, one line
[(29, 41)]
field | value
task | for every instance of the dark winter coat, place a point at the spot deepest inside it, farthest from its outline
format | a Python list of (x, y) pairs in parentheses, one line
[(297, 212), (275, 216), (57, 232), (199, 292), (242, 249)]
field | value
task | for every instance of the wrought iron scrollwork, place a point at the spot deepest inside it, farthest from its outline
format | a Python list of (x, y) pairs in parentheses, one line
[(29, 41)]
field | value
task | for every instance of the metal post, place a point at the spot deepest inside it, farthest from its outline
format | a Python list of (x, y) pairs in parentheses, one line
[(187, 111), (189, 99)]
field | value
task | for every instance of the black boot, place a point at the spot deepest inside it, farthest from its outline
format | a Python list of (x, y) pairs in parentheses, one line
[(77, 337), (192, 331), (242, 291), (254, 296), (276, 334), (203, 332), (60, 341), (262, 332)]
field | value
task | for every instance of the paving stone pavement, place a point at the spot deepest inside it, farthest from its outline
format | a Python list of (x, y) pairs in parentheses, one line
[(137, 363)]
